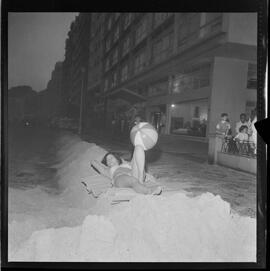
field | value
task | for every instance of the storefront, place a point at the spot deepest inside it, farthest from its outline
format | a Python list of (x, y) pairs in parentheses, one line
[(189, 118)]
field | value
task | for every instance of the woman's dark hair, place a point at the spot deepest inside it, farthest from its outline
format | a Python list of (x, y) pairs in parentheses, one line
[(242, 128), (118, 158)]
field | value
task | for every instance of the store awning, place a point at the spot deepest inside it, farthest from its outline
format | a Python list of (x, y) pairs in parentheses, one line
[(127, 95)]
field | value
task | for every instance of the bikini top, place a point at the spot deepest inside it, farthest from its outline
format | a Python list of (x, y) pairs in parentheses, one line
[(114, 168)]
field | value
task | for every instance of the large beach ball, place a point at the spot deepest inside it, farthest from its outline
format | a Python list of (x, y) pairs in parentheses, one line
[(144, 134)]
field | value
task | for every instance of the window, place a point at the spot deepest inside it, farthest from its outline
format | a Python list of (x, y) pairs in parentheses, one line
[(114, 78), (140, 62), (108, 44), (107, 65), (126, 46), (158, 88), (106, 85), (124, 73), (115, 57), (194, 78), (160, 18), (190, 118), (116, 34), (140, 32), (109, 23), (252, 76), (189, 27), (162, 48), (127, 20), (117, 15)]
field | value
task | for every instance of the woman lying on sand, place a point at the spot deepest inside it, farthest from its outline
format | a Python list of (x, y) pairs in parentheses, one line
[(124, 174)]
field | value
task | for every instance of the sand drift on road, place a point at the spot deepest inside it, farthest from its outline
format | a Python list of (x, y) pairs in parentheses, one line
[(73, 226)]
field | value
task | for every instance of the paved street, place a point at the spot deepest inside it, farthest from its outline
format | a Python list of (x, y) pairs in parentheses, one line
[(183, 166)]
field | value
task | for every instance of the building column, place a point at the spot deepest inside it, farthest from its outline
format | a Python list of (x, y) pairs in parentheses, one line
[(228, 91)]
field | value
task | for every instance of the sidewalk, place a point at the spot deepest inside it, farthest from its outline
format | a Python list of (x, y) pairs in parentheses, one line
[(167, 144)]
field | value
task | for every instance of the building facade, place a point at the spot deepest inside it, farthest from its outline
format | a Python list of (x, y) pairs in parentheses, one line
[(75, 66), (94, 101), (178, 69)]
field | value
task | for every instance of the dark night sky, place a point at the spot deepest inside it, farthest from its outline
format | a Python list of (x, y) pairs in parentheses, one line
[(36, 41)]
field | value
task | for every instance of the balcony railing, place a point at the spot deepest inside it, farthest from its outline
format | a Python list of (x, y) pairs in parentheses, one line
[(234, 147), (211, 28)]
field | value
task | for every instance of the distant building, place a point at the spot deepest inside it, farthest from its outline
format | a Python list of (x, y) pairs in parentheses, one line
[(22, 102), (95, 114), (50, 99), (75, 65)]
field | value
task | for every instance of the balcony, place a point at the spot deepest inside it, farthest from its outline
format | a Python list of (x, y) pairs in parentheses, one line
[(204, 32)]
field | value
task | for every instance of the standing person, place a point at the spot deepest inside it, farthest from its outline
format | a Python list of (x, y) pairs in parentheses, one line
[(243, 121), (223, 127), (252, 131), (223, 131), (162, 123), (124, 174)]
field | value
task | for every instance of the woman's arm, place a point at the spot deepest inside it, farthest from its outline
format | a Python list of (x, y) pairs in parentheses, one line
[(101, 168)]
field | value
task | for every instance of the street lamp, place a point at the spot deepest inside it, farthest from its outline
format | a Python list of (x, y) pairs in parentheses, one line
[(81, 102)]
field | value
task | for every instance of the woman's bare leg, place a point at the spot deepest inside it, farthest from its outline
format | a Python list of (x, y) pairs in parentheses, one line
[(131, 182), (138, 163)]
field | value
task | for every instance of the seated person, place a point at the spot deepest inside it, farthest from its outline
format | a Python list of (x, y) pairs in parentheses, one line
[(243, 121), (241, 138), (124, 174)]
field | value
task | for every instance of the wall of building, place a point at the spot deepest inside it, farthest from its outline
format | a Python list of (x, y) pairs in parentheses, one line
[(228, 93), (237, 162), (242, 28)]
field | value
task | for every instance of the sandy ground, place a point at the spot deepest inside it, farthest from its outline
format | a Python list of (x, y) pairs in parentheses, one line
[(190, 171)]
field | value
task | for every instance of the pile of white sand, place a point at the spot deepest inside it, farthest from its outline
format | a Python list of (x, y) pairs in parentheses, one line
[(73, 227)]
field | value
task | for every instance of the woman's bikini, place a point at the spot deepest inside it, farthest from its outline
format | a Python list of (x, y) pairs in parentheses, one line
[(118, 170)]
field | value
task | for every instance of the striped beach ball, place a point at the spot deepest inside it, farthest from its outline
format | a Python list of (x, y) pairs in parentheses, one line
[(144, 134)]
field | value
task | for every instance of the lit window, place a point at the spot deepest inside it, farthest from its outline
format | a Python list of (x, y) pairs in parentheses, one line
[(193, 79), (190, 118)]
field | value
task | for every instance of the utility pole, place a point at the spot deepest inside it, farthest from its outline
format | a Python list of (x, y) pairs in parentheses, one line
[(81, 102)]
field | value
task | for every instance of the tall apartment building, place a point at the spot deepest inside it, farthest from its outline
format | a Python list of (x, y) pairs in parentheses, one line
[(190, 66), (75, 65), (94, 102)]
